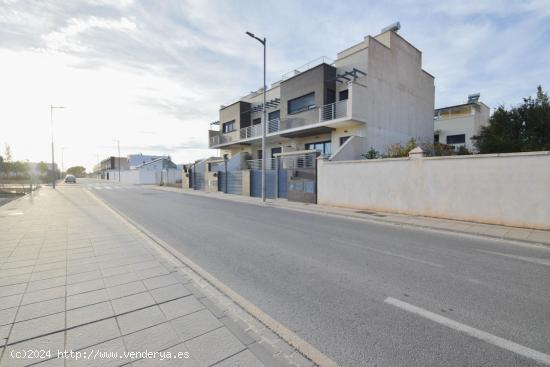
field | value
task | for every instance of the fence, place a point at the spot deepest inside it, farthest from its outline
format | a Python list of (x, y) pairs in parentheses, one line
[(508, 189)]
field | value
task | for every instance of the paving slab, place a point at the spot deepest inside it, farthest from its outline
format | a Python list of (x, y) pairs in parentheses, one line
[(75, 277)]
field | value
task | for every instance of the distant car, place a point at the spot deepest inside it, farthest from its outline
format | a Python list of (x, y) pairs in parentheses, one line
[(70, 179)]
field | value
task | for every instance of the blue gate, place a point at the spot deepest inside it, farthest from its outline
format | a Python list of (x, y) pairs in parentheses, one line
[(276, 183)]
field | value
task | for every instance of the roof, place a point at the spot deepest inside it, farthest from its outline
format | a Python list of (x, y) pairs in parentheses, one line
[(156, 160)]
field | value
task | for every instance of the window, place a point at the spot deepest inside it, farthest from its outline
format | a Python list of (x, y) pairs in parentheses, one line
[(228, 126), (257, 121), (343, 139), (274, 115), (456, 139), (260, 154), (302, 103), (331, 96), (343, 95), (324, 147), (436, 138)]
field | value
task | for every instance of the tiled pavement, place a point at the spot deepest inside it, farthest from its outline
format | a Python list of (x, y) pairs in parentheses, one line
[(74, 276)]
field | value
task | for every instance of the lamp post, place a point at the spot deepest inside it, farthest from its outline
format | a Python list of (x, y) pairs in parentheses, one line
[(118, 146), (53, 161), (263, 41)]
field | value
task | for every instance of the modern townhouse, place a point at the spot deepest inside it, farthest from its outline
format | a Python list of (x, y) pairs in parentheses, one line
[(456, 125), (374, 94), (375, 89)]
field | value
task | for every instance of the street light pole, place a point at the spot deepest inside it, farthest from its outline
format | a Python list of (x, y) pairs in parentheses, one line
[(263, 41), (118, 145), (53, 160)]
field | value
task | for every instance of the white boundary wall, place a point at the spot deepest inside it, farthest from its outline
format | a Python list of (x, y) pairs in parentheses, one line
[(509, 189)]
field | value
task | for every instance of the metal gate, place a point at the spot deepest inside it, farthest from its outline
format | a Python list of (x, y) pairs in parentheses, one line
[(300, 170), (230, 182)]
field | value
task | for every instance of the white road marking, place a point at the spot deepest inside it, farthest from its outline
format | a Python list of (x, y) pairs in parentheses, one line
[(98, 187), (404, 257), (108, 187), (522, 258), (473, 332)]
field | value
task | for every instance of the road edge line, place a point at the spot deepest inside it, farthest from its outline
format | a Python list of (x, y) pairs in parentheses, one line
[(282, 331)]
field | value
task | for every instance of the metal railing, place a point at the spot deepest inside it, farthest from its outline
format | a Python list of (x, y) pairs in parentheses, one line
[(274, 125), (290, 161), (333, 111), (305, 67)]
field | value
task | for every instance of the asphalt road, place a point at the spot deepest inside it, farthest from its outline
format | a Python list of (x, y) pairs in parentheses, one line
[(365, 294)]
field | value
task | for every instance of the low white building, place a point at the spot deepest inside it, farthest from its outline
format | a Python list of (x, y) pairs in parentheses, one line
[(456, 125)]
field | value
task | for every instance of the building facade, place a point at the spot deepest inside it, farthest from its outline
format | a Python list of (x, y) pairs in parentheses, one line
[(457, 125), (135, 160), (376, 90), (104, 168)]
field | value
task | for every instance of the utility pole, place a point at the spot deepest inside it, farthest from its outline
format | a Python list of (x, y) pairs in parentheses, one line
[(263, 41), (53, 160), (118, 145)]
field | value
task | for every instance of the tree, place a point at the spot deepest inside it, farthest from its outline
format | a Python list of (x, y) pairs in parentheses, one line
[(371, 154), (397, 150), (7, 154), (42, 168), (77, 171), (520, 129)]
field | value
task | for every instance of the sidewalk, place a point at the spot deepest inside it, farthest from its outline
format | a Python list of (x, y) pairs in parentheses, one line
[(457, 226), (75, 277)]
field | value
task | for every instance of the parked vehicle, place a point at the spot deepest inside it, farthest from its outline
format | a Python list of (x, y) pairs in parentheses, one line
[(70, 179)]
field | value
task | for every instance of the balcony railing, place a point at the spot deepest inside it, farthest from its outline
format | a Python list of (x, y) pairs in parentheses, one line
[(333, 111), (326, 113)]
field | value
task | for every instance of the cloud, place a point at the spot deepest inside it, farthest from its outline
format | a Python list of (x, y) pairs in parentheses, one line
[(128, 67)]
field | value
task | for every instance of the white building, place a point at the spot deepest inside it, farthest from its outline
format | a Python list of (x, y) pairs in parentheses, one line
[(456, 125), (375, 90)]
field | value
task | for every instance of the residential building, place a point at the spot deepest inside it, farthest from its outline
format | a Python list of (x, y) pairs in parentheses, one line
[(159, 164), (135, 160), (456, 125), (105, 168), (375, 90)]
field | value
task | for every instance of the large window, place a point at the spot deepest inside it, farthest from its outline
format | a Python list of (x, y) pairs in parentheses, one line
[(228, 126), (302, 103), (456, 139), (273, 115), (324, 147)]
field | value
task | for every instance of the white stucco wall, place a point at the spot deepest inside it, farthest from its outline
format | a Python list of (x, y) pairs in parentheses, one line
[(508, 189)]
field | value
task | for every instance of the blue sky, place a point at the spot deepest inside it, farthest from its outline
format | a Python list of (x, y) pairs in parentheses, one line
[(153, 73)]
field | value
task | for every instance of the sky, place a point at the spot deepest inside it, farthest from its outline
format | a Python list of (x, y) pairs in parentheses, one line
[(152, 74)]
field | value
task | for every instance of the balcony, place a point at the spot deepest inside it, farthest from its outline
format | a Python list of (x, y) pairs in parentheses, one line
[(330, 115)]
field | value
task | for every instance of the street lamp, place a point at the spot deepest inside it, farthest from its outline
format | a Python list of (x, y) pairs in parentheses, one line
[(263, 41), (118, 145), (53, 162)]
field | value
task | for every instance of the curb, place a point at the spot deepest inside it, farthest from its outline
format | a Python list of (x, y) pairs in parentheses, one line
[(368, 219), (309, 351)]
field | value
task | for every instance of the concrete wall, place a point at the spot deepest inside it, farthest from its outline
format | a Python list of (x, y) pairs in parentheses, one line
[(400, 99), (508, 189), (313, 80)]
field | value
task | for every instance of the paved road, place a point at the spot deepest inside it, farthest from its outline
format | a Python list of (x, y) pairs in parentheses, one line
[(365, 294)]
